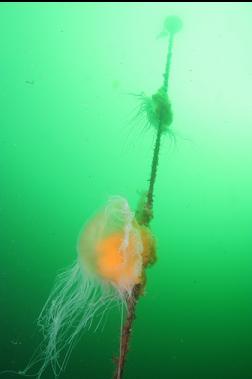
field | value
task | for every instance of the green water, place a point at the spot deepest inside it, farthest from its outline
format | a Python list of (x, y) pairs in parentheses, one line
[(69, 140)]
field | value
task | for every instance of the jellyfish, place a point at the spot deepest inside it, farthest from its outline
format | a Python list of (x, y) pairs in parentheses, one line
[(112, 251)]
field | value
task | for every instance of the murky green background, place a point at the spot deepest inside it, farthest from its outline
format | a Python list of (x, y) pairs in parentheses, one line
[(69, 140)]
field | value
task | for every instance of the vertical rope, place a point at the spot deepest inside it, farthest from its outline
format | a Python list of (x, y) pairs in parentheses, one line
[(145, 219), (168, 63)]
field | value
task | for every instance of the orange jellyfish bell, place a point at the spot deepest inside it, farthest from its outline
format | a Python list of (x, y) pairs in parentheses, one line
[(111, 246), (115, 248)]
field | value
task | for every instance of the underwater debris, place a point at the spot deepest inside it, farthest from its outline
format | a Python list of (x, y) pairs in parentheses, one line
[(30, 82)]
